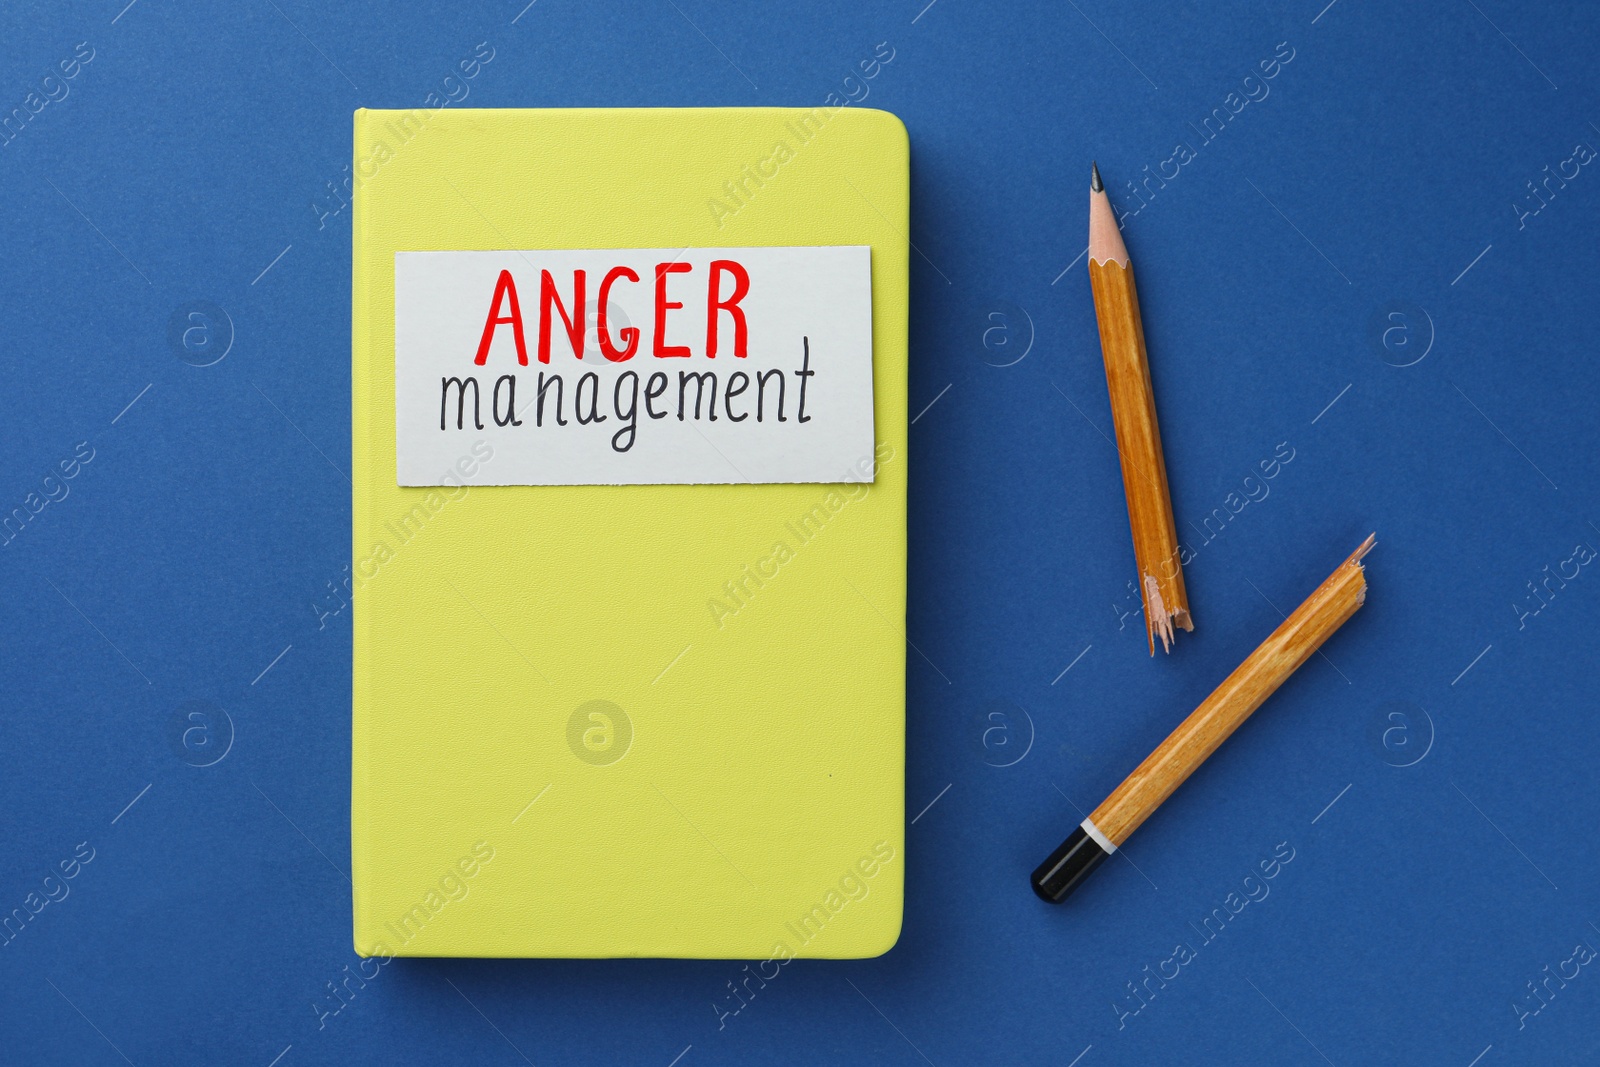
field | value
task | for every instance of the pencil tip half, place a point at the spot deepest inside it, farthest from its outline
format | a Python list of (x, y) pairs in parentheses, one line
[(1095, 184)]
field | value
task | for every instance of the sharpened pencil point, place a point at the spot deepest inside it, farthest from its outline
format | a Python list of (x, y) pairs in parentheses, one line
[(1095, 184)]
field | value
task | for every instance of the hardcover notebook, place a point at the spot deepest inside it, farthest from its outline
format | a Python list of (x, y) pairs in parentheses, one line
[(630, 464)]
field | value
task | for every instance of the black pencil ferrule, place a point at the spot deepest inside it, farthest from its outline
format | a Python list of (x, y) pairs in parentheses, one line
[(1068, 865)]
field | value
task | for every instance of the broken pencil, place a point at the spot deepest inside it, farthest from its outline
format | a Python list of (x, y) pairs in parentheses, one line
[(1198, 736), (1133, 411)]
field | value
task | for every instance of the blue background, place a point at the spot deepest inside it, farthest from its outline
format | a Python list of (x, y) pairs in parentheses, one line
[(1361, 215)]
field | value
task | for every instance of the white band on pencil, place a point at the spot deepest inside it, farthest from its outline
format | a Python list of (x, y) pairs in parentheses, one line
[(1097, 837)]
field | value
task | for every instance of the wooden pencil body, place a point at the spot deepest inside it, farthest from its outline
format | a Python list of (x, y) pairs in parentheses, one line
[(1232, 702), (1144, 471)]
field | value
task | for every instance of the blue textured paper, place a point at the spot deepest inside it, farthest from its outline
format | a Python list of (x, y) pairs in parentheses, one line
[(1369, 207)]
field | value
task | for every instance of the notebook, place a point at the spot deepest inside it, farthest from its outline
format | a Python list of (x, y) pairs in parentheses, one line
[(629, 461)]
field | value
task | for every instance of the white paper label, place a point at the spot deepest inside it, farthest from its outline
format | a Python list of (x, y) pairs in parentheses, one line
[(634, 366)]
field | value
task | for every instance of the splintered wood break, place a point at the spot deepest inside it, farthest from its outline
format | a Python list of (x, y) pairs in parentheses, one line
[(1160, 619), (1133, 411)]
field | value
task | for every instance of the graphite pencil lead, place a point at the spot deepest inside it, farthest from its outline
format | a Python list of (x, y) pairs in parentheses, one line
[(1095, 184)]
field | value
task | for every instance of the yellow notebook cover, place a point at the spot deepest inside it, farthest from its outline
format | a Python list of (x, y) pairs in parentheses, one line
[(600, 720)]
